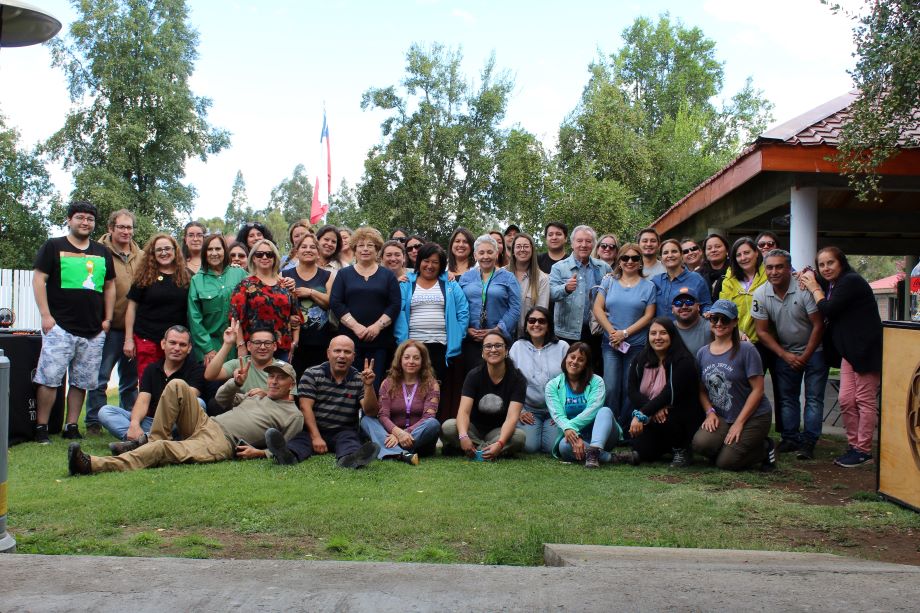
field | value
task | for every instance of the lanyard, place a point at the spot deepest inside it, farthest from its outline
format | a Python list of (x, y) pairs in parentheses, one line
[(409, 398), (483, 314)]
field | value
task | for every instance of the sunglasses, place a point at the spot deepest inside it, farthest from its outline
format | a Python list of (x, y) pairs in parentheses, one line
[(606, 246), (720, 319), (536, 320), (690, 249), (414, 247), (631, 258), (263, 254), (685, 302), (766, 244), (401, 239)]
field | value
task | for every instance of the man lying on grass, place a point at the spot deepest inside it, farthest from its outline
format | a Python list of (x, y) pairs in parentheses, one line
[(237, 432)]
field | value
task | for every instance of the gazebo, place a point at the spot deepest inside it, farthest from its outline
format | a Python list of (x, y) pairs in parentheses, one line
[(788, 182)]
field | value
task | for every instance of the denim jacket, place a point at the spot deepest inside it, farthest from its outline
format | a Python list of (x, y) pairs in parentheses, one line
[(456, 312), (569, 314), (503, 301)]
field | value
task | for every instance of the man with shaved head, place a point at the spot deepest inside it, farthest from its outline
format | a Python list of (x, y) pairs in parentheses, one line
[(330, 396)]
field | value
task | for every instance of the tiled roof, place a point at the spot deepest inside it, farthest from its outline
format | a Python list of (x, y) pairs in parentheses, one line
[(887, 282)]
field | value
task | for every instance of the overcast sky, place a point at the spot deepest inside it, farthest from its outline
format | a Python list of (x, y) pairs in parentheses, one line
[(270, 67)]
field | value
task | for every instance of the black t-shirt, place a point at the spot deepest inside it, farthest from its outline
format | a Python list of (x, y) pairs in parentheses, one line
[(314, 331), (76, 280), (545, 262), (159, 307), (154, 380), (490, 401)]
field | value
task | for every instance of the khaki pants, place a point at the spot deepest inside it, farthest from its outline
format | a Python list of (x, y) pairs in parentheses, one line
[(451, 438), (749, 450), (203, 438)]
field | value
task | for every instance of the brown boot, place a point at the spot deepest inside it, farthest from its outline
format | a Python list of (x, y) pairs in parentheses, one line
[(125, 446), (77, 461)]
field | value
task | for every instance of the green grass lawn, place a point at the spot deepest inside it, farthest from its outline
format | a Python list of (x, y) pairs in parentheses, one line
[(445, 510)]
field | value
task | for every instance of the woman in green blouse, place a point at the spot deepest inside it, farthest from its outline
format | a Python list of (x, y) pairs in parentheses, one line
[(209, 297)]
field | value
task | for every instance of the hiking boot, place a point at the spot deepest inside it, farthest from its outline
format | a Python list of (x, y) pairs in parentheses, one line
[(71, 431), (681, 458), (853, 458), (787, 446), (41, 434), (78, 462), (125, 446), (806, 451), (360, 458), (630, 457), (592, 457), (93, 430), (769, 461), (275, 443)]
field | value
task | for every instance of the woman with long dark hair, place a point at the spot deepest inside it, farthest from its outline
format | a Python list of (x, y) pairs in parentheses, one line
[(538, 355), (853, 339), (157, 300), (586, 429), (330, 245), (209, 298), (533, 281), (734, 431), (460, 253), (664, 389), (715, 251), (192, 245)]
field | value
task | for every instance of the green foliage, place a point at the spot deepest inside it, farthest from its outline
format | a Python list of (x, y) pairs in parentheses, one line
[(26, 196), (874, 267), (646, 128), (238, 209), (135, 120), (887, 75), (442, 161), (293, 197)]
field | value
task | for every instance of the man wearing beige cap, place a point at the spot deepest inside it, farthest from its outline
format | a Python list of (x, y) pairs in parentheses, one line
[(239, 432)]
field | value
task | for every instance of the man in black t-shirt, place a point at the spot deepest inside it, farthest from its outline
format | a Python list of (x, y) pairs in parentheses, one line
[(131, 425), (555, 234), (74, 285)]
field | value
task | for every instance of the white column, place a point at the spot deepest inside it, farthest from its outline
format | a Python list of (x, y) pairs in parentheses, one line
[(803, 230)]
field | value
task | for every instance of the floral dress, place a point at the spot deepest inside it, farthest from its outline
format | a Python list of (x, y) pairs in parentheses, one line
[(255, 303)]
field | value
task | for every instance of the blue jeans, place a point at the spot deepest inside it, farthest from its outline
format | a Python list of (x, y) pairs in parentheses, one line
[(790, 383), (541, 434), (601, 430), (425, 435), (117, 421), (616, 378), (127, 377)]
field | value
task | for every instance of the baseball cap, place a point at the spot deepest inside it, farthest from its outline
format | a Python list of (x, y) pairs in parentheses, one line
[(281, 367), (724, 307)]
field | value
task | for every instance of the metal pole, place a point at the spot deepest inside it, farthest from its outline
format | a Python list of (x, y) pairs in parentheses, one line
[(7, 542)]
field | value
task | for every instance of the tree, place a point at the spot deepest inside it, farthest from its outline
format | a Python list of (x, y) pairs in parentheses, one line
[(435, 166), (646, 130), (238, 209), (135, 120), (522, 181), (887, 74), (26, 196), (293, 197)]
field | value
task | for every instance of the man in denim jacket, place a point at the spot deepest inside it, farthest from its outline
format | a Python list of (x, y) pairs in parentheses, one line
[(572, 285)]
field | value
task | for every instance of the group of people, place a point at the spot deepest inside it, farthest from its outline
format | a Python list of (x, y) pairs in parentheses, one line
[(370, 348)]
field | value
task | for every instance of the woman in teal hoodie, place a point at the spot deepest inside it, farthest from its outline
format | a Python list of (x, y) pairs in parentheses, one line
[(575, 400)]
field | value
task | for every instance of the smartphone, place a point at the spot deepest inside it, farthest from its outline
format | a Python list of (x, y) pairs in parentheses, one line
[(623, 347)]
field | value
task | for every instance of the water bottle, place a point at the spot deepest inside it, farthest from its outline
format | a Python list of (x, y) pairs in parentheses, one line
[(915, 293)]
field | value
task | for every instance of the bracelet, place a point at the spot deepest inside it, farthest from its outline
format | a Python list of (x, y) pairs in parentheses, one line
[(500, 443), (642, 417), (463, 436), (711, 410)]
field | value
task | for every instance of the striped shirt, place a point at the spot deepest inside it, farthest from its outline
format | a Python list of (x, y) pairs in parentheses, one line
[(335, 405), (426, 315)]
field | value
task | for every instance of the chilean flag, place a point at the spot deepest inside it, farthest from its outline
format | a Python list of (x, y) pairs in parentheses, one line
[(320, 204)]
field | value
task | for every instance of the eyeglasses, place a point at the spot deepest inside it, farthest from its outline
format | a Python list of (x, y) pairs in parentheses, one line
[(84, 219), (631, 258), (720, 319), (766, 244), (606, 246), (123, 228), (690, 249), (536, 320), (414, 247), (685, 302), (195, 236), (163, 250), (401, 239), (263, 254), (493, 347), (261, 343)]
